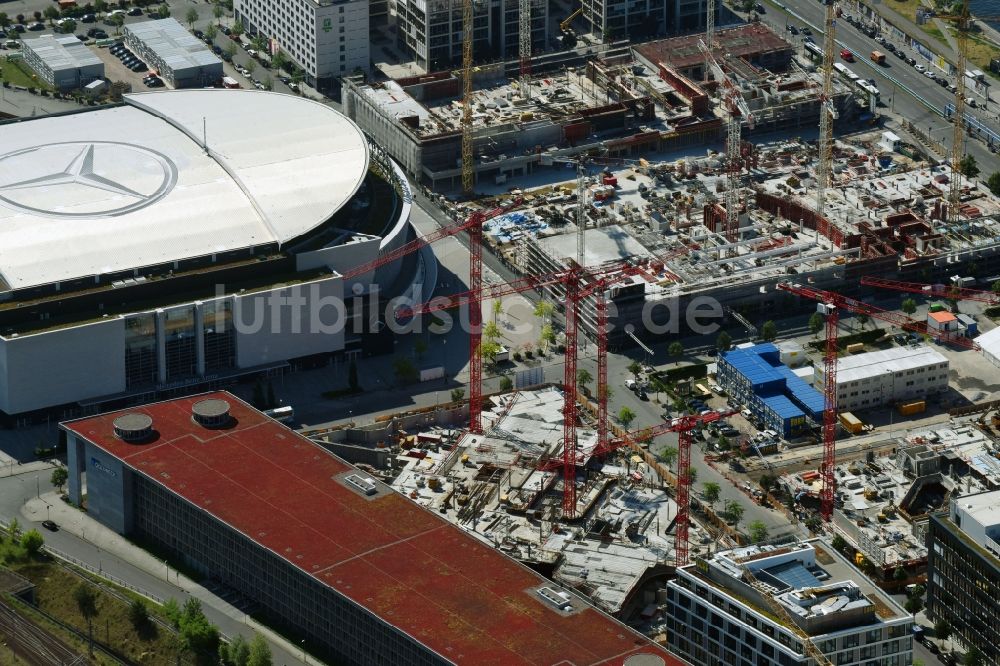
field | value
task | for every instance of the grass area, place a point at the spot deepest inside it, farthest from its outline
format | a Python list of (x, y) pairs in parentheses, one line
[(150, 645), (69, 638), (980, 51), (936, 33), (906, 8), (19, 74)]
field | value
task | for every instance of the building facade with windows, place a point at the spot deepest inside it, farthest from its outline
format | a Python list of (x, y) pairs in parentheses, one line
[(631, 19), (963, 571), (62, 61), (185, 254), (326, 38), (337, 559), (888, 376), (432, 32), (715, 616)]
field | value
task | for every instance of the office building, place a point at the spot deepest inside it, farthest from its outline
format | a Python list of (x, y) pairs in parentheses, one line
[(888, 376), (62, 61), (777, 397), (329, 554), (621, 19), (158, 253), (963, 571), (431, 31), (183, 60), (325, 38), (717, 616)]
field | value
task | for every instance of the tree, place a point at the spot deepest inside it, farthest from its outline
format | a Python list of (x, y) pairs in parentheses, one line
[(191, 16), (163, 11), (13, 529), (723, 342), (899, 574), (636, 369), (734, 510), (692, 475), (838, 542), (251, 66), (767, 482), (996, 285), (197, 634), (913, 605), (230, 50), (68, 26), (235, 653), (973, 657), (488, 351), (543, 310), (723, 442), (100, 6), (4, 21), (497, 304), (548, 336), (237, 29), (59, 477), (669, 455), (506, 384), (658, 386), (51, 13), (138, 613), (491, 331), (769, 331), (909, 306), (583, 377), (118, 20), (816, 323), (675, 351), (993, 183), (32, 542), (259, 42), (626, 416), (352, 376), (710, 492), (86, 603), (942, 629), (210, 31), (758, 531), (37, 16), (260, 653), (457, 394), (405, 371), (968, 166), (217, 12)]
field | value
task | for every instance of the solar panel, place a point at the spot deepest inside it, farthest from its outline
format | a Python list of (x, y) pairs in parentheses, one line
[(794, 574)]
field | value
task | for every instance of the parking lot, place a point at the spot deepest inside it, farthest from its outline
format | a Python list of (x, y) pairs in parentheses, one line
[(114, 70)]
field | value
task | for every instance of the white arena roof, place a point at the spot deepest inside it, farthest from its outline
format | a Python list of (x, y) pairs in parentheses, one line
[(114, 189)]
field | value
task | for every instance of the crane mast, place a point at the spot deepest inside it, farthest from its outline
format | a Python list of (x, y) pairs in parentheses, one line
[(524, 46), (468, 169), (958, 118), (827, 112)]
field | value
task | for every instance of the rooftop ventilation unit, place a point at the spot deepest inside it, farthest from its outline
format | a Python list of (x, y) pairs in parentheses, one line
[(362, 484), (557, 598), (133, 427), (211, 413)]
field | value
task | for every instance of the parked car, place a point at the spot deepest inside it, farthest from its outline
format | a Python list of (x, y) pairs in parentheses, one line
[(153, 82), (134, 11), (641, 394), (18, 27), (225, 30), (920, 68), (792, 29), (199, 34), (49, 525), (217, 50), (88, 18), (36, 26), (140, 67)]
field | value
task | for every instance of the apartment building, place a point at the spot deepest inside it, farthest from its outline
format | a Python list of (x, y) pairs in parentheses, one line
[(432, 32), (717, 617), (636, 19), (326, 38), (963, 571), (888, 376)]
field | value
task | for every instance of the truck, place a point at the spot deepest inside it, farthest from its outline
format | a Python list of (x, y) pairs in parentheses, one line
[(851, 423), (912, 407), (847, 55), (878, 57), (231, 83)]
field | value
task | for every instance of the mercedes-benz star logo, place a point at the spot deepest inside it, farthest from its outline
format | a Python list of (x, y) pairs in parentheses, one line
[(84, 179)]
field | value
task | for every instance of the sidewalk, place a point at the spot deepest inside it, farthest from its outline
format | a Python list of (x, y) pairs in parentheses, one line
[(231, 620)]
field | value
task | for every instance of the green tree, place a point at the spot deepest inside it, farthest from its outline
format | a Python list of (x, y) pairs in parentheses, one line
[(769, 331), (758, 531), (766, 482), (51, 13), (86, 603), (13, 529), (669, 456), (237, 29), (734, 510), (163, 11), (100, 6), (32, 542), (217, 12), (626, 416), (636, 369), (913, 605), (497, 306), (211, 31), (506, 384), (710, 492), (583, 377), (251, 66), (675, 351), (548, 336), (942, 629), (352, 376), (68, 26), (4, 21), (996, 285), (909, 306), (406, 372), (457, 394), (658, 386), (260, 653), (723, 342), (59, 477), (197, 634), (816, 323), (491, 331), (489, 350), (899, 574), (838, 542), (993, 183), (138, 613), (259, 42), (724, 443), (544, 310), (118, 20), (191, 16), (230, 50), (692, 475), (973, 657), (968, 166)]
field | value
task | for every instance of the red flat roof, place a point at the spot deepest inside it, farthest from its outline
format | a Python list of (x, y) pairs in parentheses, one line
[(416, 571)]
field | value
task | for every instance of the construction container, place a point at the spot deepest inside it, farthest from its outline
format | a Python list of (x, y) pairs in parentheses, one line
[(855, 348), (936, 307), (913, 407), (851, 423), (608, 179)]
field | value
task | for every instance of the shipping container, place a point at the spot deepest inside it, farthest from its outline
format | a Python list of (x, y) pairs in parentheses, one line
[(913, 407), (936, 307), (856, 348), (851, 423)]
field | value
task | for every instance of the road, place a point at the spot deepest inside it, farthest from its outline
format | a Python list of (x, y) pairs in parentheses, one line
[(905, 92)]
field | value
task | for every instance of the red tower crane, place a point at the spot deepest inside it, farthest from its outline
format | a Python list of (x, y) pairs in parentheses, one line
[(934, 290)]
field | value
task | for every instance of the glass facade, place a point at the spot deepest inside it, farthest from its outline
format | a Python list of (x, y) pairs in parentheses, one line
[(220, 336), (180, 343), (140, 350)]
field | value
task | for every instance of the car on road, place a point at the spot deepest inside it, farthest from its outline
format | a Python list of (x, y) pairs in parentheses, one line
[(217, 50), (932, 647), (88, 18), (792, 29), (36, 26), (899, 54), (759, 8), (49, 525), (641, 394), (135, 11), (929, 74), (806, 30), (920, 68), (225, 30), (629, 383), (199, 34)]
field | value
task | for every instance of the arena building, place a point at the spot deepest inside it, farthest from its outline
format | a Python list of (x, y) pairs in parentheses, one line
[(359, 572), (191, 237)]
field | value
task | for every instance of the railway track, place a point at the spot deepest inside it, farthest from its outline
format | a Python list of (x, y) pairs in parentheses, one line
[(33, 644)]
